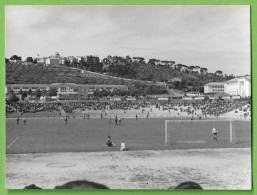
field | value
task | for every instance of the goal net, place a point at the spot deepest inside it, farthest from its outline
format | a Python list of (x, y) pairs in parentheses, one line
[(200, 131), (241, 131)]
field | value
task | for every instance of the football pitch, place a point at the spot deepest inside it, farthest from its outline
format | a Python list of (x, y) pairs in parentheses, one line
[(89, 135)]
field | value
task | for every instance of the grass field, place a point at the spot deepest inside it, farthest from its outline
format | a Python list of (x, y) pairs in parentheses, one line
[(79, 135)]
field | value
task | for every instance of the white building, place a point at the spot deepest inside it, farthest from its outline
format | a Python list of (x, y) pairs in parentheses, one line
[(203, 70), (16, 88), (239, 86), (54, 59), (67, 91), (197, 69), (214, 87)]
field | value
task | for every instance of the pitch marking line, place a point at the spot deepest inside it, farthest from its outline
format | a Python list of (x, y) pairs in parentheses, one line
[(191, 142), (13, 142)]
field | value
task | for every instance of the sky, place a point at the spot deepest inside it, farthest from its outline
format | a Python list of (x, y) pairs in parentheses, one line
[(214, 37)]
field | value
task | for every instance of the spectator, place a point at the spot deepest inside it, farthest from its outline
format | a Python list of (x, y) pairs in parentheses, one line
[(188, 185), (32, 187), (81, 184)]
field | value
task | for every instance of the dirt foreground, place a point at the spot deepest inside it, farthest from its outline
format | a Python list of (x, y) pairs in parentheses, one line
[(211, 168)]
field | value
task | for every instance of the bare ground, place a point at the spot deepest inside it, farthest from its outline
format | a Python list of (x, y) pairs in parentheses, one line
[(211, 168)]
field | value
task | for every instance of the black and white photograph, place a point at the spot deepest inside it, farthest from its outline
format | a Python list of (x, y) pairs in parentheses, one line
[(128, 97)]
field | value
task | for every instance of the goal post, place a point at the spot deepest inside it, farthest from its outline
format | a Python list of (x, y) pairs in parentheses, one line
[(230, 132), (166, 131), (197, 131)]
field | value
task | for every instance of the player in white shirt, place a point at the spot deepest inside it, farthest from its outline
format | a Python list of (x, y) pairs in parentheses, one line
[(215, 133), (123, 146)]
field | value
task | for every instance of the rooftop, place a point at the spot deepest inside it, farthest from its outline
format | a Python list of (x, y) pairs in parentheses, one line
[(247, 77), (215, 83)]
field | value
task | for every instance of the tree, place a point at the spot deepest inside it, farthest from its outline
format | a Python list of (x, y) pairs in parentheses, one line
[(38, 93), (218, 72), (73, 63), (23, 95), (201, 89), (44, 92), (67, 63), (82, 64), (147, 90), (203, 70), (12, 98), (30, 93), (20, 92), (128, 59), (182, 84), (52, 92), (7, 60), (15, 57), (29, 59)]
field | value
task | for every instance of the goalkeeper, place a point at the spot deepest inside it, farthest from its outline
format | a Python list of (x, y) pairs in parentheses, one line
[(215, 133)]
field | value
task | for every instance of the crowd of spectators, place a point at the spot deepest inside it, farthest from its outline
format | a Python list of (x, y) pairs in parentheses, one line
[(210, 108), (213, 108), (32, 107), (82, 106)]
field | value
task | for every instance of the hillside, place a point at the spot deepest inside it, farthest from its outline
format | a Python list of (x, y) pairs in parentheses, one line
[(26, 74), (128, 74), (175, 79)]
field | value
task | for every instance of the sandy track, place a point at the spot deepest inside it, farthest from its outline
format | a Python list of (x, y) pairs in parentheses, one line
[(212, 168)]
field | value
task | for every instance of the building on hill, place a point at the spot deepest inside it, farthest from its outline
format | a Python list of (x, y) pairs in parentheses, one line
[(55, 60), (91, 60), (197, 69), (72, 60), (219, 73), (71, 91), (162, 84), (138, 59), (153, 61), (210, 74), (65, 91), (40, 60), (80, 58), (93, 64), (175, 79), (117, 60), (237, 86), (214, 87), (172, 64), (164, 63), (169, 64), (203, 70), (16, 88), (181, 67)]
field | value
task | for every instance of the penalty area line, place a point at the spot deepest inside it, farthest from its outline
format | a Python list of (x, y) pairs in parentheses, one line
[(13, 142), (191, 142)]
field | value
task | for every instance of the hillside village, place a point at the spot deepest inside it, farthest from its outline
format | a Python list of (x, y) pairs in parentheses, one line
[(130, 68), (102, 77)]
